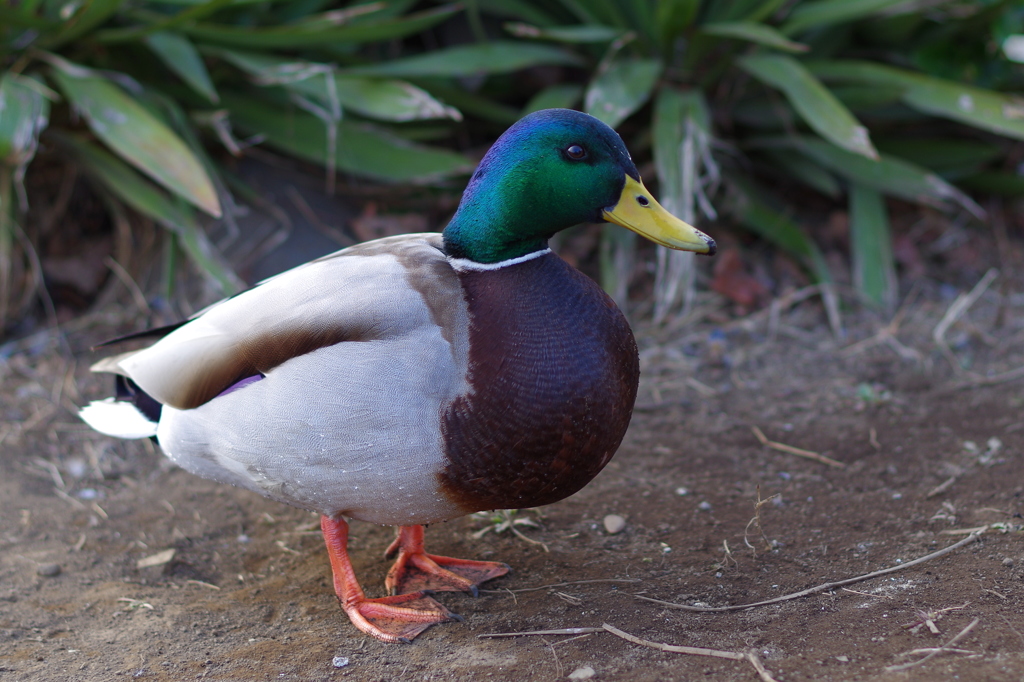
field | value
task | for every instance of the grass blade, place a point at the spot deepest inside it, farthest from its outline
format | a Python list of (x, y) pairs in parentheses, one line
[(585, 33), (827, 12), (180, 56), (137, 136), (760, 34), (874, 270), (825, 114), (500, 56), (620, 88), (299, 36)]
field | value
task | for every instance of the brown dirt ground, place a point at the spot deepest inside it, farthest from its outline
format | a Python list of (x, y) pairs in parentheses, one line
[(928, 452)]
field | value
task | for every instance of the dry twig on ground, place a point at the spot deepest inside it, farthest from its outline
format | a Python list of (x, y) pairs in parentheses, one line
[(799, 452), (750, 656), (945, 648), (956, 310), (756, 521), (826, 586)]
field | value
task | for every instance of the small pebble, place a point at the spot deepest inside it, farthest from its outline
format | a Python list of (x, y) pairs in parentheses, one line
[(613, 523), (48, 570), (682, 492), (339, 661), (584, 673), (1008, 562), (704, 506)]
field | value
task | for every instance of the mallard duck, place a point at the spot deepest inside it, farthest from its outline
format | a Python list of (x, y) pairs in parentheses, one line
[(417, 378)]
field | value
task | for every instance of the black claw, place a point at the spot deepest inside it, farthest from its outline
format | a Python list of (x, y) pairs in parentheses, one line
[(405, 640), (473, 591), (456, 617)]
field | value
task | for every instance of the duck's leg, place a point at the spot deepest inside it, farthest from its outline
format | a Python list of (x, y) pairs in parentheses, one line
[(391, 619), (416, 570)]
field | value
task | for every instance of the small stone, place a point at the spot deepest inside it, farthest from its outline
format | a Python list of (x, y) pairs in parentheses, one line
[(584, 673), (613, 523), (1008, 562), (704, 506), (48, 570), (339, 661), (843, 659)]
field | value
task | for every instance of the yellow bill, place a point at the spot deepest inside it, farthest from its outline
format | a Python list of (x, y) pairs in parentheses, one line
[(638, 210)]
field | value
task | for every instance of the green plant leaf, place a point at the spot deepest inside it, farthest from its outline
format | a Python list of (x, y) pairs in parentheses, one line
[(154, 22), (806, 171), (874, 270), (760, 34), (24, 114), (141, 195), (138, 136), (977, 107), (678, 118), (500, 56), (89, 15), (764, 11), (180, 56), (683, 160), (300, 36), (361, 149), (779, 229), (381, 98), (888, 175), (673, 17), (941, 154), (620, 88), (994, 182), (468, 102), (583, 33), (561, 96), (827, 12), (825, 114)]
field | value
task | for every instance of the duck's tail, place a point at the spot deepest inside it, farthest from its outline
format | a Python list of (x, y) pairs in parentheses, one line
[(132, 414)]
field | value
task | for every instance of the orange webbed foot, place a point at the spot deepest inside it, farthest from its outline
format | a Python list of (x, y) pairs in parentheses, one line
[(399, 618), (415, 570), (390, 619)]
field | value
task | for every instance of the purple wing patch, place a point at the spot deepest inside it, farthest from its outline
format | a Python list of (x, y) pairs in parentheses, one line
[(242, 383)]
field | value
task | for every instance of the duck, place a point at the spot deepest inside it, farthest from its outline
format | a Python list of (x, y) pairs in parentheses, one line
[(417, 378)]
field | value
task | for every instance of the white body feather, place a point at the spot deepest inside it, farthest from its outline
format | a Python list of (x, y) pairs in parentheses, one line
[(353, 427)]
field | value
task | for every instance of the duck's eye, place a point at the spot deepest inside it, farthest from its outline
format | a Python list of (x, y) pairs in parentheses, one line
[(642, 200), (576, 152)]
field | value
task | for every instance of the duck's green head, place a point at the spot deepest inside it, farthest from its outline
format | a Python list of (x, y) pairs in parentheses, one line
[(552, 170)]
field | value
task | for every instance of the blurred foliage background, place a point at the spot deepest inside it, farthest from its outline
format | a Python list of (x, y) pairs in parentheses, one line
[(755, 113)]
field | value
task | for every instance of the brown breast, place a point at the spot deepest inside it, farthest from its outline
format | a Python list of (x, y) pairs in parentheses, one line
[(553, 368)]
